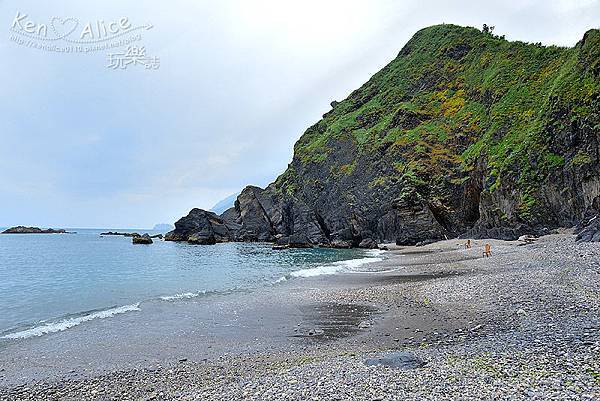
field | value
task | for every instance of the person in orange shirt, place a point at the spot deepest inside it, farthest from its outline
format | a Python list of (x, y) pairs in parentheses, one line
[(488, 250)]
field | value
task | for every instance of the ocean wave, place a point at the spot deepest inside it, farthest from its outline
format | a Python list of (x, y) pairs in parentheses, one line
[(344, 266), (61, 325), (375, 252), (185, 295), (191, 295)]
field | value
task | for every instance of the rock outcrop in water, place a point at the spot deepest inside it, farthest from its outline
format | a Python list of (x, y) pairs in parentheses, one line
[(464, 133), (133, 235), (202, 228), (32, 230), (118, 234), (142, 240)]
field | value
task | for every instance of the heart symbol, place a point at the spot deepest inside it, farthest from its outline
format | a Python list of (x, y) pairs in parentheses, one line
[(63, 27)]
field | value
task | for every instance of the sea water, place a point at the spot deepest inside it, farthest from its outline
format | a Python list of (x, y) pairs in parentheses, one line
[(52, 282)]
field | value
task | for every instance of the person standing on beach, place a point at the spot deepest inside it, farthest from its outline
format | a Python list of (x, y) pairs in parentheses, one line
[(488, 250)]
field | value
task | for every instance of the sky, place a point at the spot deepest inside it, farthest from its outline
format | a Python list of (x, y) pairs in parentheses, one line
[(235, 83)]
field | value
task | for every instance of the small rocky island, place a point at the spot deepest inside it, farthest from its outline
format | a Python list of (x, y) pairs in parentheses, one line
[(118, 234), (33, 230), (132, 235), (142, 240)]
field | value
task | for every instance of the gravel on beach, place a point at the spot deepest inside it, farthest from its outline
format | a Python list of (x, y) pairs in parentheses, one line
[(523, 324)]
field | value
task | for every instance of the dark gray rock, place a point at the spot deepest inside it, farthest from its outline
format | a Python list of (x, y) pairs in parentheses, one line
[(415, 221), (32, 230), (118, 234), (397, 360), (142, 240), (200, 227), (589, 229), (368, 243), (252, 206), (299, 241)]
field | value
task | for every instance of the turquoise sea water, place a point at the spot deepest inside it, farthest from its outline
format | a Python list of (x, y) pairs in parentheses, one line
[(49, 283)]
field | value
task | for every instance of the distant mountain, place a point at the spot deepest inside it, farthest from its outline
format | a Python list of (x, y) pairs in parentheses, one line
[(163, 227), (225, 204), (464, 133)]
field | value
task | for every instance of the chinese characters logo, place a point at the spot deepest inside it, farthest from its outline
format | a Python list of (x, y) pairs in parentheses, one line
[(133, 56)]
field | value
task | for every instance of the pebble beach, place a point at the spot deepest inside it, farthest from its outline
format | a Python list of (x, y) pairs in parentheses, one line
[(438, 322)]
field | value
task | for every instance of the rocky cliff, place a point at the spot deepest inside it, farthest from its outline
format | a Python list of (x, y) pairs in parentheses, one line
[(464, 133)]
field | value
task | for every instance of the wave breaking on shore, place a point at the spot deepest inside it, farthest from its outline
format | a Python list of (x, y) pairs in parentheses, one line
[(64, 324), (344, 266)]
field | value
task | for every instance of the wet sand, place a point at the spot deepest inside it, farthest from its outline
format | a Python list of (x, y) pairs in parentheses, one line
[(297, 315)]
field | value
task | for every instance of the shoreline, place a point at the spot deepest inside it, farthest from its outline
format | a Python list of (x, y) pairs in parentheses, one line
[(58, 324), (465, 316)]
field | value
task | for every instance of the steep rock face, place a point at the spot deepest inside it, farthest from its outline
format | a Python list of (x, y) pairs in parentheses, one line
[(251, 207), (464, 133), (414, 221)]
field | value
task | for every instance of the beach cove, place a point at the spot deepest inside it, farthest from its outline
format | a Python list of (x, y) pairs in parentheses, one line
[(524, 322)]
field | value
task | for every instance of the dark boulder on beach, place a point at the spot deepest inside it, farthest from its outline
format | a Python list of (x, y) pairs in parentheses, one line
[(142, 240), (32, 230)]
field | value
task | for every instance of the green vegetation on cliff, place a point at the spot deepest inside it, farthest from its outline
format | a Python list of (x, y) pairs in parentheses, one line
[(464, 133), (457, 100)]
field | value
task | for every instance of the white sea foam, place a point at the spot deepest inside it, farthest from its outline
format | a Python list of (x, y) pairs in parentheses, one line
[(375, 252), (345, 266), (318, 271), (61, 325), (185, 295)]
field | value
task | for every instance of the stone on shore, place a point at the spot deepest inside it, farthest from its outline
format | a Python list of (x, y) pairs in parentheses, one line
[(397, 360)]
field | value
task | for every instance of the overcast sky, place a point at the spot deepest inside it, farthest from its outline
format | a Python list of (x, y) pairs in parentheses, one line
[(82, 145)]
